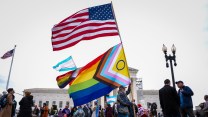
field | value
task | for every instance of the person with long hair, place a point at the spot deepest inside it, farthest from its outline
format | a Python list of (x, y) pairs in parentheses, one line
[(26, 104)]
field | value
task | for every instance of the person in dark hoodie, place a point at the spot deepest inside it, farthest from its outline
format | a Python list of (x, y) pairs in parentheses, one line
[(26, 105)]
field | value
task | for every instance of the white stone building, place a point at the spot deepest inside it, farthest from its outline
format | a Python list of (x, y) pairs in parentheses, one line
[(59, 97), (147, 97)]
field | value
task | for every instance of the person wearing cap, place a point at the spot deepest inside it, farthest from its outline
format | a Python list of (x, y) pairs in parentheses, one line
[(169, 100), (26, 104), (186, 105), (124, 104), (7, 110)]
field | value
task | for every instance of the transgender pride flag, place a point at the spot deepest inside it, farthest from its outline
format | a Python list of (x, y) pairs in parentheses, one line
[(111, 99), (65, 65)]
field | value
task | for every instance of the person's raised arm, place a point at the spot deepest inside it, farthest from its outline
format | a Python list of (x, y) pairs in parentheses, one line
[(129, 90)]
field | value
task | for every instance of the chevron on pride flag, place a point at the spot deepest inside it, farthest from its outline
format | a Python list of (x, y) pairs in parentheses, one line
[(113, 68)]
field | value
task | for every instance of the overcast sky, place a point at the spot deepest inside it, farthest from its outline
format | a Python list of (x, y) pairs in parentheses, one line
[(144, 26)]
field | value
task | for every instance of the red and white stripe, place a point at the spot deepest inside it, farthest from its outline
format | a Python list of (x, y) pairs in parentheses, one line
[(78, 27)]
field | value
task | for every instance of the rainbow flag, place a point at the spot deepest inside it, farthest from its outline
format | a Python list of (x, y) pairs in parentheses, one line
[(89, 86), (67, 78)]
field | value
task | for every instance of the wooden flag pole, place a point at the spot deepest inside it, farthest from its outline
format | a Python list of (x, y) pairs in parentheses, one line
[(124, 52), (7, 85)]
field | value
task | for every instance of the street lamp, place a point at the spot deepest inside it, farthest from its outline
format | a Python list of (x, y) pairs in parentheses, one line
[(170, 58)]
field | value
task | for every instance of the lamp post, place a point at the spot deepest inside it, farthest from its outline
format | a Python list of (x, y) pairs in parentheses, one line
[(171, 58)]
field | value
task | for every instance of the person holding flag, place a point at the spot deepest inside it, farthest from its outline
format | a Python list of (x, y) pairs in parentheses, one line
[(124, 104)]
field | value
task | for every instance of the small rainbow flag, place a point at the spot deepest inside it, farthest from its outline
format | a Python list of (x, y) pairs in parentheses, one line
[(66, 78)]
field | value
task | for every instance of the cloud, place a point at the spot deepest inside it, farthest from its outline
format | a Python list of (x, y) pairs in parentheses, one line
[(3, 82)]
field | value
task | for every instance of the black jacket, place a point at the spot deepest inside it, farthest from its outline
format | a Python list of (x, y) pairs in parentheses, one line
[(169, 100), (26, 107)]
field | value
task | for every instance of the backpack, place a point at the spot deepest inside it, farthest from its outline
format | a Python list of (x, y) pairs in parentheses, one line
[(3, 101)]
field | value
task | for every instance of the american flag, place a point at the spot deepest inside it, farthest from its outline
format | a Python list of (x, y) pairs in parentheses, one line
[(86, 24), (8, 54)]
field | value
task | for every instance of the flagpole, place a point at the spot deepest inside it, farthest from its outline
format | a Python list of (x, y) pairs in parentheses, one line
[(118, 31), (10, 68), (75, 66), (123, 50), (116, 22)]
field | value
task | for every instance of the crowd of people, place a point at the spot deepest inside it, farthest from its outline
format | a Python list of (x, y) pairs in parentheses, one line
[(86, 110), (123, 107), (173, 103)]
